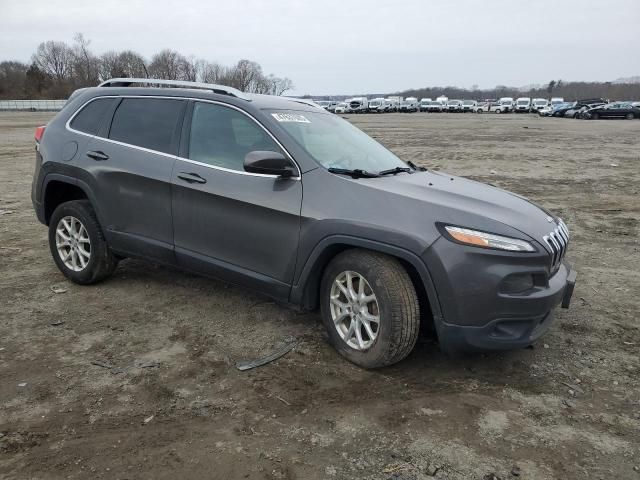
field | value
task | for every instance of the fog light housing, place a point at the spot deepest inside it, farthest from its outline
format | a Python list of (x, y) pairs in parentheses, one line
[(517, 283)]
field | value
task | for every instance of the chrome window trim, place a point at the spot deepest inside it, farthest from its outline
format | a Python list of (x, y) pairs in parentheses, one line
[(177, 157)]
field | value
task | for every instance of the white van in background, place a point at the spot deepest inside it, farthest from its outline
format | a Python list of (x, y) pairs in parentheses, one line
[(555, 101), (469, 105), (424, 103), (409, 105), (523, 105), (443, 100), (376, 105), (359, 105), (538, 104)]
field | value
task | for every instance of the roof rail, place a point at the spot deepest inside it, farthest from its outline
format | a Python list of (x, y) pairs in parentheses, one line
[(305, 102), (157, 82)]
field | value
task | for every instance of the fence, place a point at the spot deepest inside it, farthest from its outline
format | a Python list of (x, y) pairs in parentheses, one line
[(32, 105)]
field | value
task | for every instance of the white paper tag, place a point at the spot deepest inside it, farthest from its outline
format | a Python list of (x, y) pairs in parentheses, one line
[(290, 117)]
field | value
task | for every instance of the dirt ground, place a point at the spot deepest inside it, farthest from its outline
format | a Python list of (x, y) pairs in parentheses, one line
[(163, 399)]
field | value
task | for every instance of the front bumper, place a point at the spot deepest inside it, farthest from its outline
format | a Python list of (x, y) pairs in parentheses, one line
[(478, 313)]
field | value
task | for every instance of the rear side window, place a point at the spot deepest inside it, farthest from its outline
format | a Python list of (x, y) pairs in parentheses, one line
[(147, 122), (92, 116)]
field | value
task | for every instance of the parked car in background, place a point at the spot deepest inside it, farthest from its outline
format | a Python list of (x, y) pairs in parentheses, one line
[(560, 109), (332, 106), (376, 105), (523, 105), (424, 103), (539, 103), (323, 103), (506, 105), (434, 106), (409, 105), (579, 108), (359, 105), (613, 110), (469, 105), (341, 107), (443, 99), (482, 107), (390, 105), (454, 106), (555, 101)]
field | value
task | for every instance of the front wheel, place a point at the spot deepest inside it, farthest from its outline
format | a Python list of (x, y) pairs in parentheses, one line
[(630, 116), (77, 244), (370, 308)]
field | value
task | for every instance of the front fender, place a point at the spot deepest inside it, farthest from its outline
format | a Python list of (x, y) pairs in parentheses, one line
[(305, 290)]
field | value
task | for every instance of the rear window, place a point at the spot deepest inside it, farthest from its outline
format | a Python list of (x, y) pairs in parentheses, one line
[(147, 122), (92, 116)]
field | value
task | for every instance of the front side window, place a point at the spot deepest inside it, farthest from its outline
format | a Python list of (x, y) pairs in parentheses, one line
[(147, 122), (336, 143), (222, 136), (90, 118)]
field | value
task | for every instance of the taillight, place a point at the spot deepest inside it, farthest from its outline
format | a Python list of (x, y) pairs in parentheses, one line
[(39, 133)]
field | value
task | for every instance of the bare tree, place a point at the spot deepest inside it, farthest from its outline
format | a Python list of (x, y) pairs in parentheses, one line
[(133, 64), (280, 85), (188, 68), (86, 66), (54, 59), (166, 65)]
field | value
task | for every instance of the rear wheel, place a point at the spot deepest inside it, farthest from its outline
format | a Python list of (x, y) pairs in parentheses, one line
[(370, 308), (77, 244), (629, 116), (595, 116), (498, 111)]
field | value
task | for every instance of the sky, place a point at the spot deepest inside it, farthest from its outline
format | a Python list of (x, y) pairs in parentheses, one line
[(354, 46)]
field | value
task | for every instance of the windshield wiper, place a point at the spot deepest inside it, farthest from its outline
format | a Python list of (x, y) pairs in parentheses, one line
[(393, 171), (416, 167), (357, 173)]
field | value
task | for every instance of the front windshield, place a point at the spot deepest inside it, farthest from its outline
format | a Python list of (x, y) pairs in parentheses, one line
[(468, 102), (374, 103), (541, 102), (523, 102), (323, 103), (335, 143)]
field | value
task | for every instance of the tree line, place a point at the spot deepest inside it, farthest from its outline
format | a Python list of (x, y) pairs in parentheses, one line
[(570, 91), (58, 68)]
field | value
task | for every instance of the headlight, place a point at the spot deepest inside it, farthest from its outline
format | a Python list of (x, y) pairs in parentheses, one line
[(488, 240)]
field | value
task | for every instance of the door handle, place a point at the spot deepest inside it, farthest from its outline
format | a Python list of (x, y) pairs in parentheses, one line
[(191, 177), (98, 155)]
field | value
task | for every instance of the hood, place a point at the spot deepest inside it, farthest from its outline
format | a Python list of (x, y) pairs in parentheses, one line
[(469, 203)]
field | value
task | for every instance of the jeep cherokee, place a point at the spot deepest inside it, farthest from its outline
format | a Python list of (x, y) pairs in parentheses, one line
[(277, 195)]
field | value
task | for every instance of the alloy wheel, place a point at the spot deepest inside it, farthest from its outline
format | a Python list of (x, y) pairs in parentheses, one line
[(73, 243), (354, 310)]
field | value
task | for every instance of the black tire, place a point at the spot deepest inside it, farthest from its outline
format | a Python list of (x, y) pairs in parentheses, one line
[(101, 262), (399, 310), (595, 116), (630, 116)]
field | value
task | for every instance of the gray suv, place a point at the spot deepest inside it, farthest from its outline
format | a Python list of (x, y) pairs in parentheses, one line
[(277, 195)]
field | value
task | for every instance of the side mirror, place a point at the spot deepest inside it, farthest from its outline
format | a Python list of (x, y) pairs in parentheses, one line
[(269, 163)]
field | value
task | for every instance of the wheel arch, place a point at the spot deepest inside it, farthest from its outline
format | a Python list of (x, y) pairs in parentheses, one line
[(59, 188), (305, 291)]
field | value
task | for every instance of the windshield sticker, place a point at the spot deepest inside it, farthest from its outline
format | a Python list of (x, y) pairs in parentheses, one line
[(290, 117)]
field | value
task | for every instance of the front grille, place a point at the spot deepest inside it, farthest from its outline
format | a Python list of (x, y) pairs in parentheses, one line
[(558, 241)]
